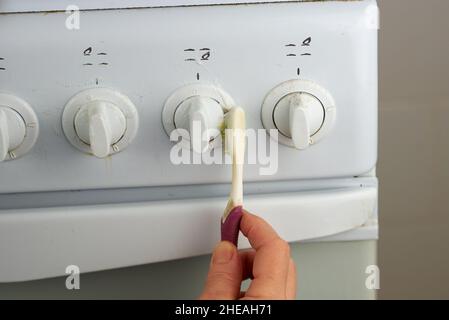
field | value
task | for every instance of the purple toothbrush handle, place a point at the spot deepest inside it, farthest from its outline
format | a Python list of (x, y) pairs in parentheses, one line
[(231, 227)]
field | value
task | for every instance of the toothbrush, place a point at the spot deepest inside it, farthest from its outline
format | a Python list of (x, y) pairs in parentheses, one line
[(234, 142)]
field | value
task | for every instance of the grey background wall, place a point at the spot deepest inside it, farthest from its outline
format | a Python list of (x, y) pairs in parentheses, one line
[(414, 149)]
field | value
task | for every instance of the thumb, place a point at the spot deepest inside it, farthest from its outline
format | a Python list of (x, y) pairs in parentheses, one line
[(225, 274)]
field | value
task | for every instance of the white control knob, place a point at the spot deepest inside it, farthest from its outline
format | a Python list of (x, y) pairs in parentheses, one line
[(100, 124), (196, 113), (298, 113), (299, 116), (100, 121), (203, 118), (19, 127), (12, 131)]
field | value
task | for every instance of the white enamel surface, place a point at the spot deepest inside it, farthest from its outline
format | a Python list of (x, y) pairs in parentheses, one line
[(146, 62), (46, 5), (137, 60), (139, 233)]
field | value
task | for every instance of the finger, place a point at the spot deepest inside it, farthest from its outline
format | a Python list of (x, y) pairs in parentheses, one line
[(271, 261), (247, 260), (270, 271), (225, 274), (257, 230), (290, 291)]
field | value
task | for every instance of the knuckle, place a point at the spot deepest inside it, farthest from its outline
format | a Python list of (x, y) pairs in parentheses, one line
[(222, 277), (282, 245), (216, 294), (220, 285)]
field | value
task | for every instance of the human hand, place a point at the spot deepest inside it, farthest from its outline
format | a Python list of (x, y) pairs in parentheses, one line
[(268, 264)]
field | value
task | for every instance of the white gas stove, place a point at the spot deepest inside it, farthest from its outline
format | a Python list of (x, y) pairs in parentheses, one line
[(89, 98)]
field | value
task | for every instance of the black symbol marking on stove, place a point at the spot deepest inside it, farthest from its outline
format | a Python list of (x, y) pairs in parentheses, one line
[(306, 42), (88, 51), (294, 48), (197, 76), (2, 68), (298, 71), (202, 54), (291, 46), (205, 56)]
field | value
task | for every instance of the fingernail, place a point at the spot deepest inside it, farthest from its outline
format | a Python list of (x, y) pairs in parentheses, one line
[(223, 252)]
